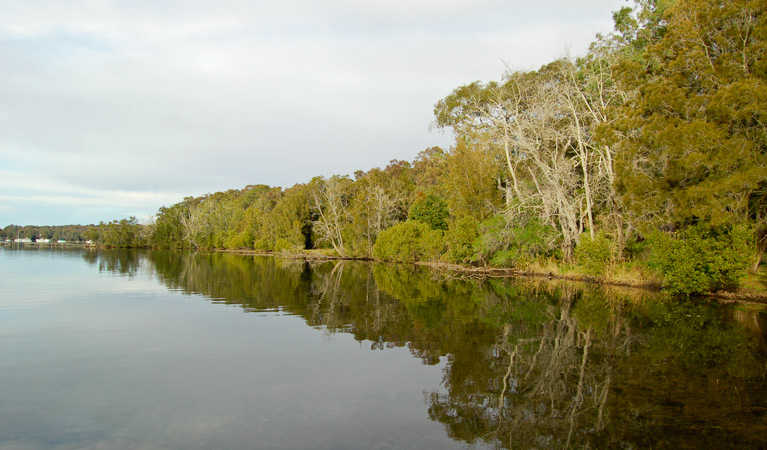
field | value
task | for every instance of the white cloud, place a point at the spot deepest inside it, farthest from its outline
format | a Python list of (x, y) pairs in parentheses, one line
[(29, 197)]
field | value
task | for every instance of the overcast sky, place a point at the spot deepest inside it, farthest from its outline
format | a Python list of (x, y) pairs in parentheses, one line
[(113, 108)]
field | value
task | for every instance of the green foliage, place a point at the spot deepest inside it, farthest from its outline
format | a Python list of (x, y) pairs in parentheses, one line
[(508, 258), (409, 241), (242, 239), (330, 199), (595, 255), (508, 245), (263, 244), (469, 180), (169, 229), (428, 167), (69, 233), (460, 239), (126, 233), (92, 234), (289, 218), (256, 216), (494, 236), (431, 210), (702, 258), (373, 207), (286, 246), (693, 144)]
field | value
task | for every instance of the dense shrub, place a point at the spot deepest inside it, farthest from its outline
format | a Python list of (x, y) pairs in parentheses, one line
[(460, 239), (701, 258), (513, 245), (409, 241), (263, 244), (508, 258), (431, 210), (283, 245), (595, 255), (242, 239), (493, 236)]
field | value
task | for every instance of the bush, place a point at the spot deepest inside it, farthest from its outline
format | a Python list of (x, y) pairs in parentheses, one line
[(431, 210), (283, 245), (508, 258), (701, 258), (595, 255), (493, 236), (513, 245), (242, 239), (409, 241), (460, 239)]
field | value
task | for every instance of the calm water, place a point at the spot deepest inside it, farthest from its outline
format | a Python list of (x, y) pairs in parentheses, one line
[(117, 349)]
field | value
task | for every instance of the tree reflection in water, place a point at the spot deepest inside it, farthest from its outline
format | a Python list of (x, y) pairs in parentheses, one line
[(549, 380), (123, 261), (529, 364)]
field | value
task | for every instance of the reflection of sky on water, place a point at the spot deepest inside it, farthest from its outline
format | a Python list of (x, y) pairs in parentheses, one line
[(94, 359), (45, 277)]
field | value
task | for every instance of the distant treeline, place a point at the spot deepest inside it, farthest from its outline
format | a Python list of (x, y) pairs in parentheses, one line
[(69, 233), (646, 156)]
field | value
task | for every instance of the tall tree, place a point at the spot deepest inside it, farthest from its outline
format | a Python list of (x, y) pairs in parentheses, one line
[(330, 204), (528, 118), (696, 132)]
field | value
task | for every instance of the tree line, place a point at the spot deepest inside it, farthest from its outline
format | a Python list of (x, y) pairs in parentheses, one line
[(69, 233), (648, 154)]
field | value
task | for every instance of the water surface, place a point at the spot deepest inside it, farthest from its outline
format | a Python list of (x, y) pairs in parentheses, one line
[(120, 349)]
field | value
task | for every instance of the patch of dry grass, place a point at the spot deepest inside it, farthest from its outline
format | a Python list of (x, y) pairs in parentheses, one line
[(550, 267), (626, 274), (633, 274)]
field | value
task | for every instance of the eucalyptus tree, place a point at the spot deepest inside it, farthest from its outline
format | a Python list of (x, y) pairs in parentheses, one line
[(330, 205), (591, 95), (373, 209), (527, 117)]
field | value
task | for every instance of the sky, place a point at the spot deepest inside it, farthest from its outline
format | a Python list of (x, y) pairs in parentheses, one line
[(114, 108)]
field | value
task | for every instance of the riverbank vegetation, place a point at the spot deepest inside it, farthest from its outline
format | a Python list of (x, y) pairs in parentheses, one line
[(69, 233), (645, 159)]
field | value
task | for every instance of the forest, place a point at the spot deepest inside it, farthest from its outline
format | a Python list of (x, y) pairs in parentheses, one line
[(645, 159)]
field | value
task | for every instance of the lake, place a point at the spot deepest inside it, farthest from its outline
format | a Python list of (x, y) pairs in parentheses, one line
[(184, 350)]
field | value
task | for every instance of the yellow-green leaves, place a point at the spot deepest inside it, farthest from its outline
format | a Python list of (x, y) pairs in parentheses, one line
[(696, 147)]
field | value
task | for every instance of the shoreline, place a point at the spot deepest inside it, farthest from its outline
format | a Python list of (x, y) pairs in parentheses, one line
[(473, 272), (742, 296)]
